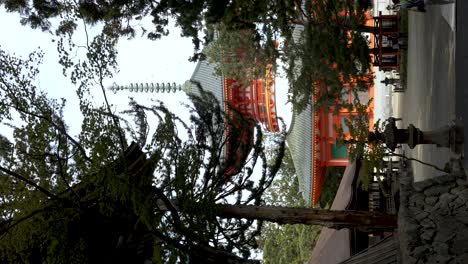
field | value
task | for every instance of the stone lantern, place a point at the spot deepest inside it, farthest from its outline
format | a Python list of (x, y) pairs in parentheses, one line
[(450, 136)]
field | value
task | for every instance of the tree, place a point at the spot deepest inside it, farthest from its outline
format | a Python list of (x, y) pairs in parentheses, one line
[(239, 55), (331, 53), (116, 194), (286, 243), (370, 147), (371, 153), (263, 17), (333, 176), (102, 188)]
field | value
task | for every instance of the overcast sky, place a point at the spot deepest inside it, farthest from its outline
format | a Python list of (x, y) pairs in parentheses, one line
[(140, 60)]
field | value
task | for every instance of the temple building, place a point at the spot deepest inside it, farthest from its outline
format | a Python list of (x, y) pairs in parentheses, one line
[(255, 100), (312, 138)]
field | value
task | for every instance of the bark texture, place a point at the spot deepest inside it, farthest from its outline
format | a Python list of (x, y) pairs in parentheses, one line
[(369, 221)]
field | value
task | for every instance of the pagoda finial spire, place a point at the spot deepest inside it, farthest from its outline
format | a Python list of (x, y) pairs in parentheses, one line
[(152, 87)]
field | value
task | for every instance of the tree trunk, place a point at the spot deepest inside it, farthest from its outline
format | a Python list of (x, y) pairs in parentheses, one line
[(363, 220), (366, 221)]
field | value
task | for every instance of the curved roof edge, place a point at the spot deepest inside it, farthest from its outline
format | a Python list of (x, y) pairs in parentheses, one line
[(300, 142)]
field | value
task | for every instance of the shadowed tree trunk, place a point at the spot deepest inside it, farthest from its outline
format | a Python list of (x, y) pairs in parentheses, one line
[(363, 220), (367, 221)]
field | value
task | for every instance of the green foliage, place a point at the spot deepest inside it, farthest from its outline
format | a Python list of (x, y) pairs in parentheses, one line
[(97, 197), (6, 147), (289, 243), (331, 52), (370, 153), (286, 243), (240, 54), (122, 18), (373, 155), (333, 177)]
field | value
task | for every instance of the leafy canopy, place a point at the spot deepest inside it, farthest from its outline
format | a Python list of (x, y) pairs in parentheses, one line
[(329, 51), (117, 192), (286, 243), (333, 50), (122, 18)]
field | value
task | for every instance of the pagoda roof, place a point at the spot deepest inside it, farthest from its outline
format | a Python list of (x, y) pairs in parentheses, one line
[(300, 142), (204, 73)]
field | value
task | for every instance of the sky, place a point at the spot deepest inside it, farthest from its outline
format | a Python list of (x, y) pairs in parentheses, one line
[(140, 60)]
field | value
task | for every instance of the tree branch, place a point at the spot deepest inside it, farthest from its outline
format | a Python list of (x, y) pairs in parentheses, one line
[(61, 129), (422, 162), (62, 172), (114, 119), (31, 183), (208, 254), (7, 225), (169, 206)]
